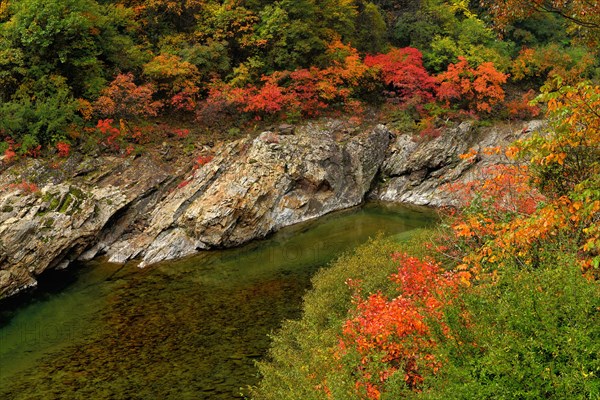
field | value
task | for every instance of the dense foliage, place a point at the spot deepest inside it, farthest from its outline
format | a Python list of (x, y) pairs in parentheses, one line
[(503, 302), (66, 65)]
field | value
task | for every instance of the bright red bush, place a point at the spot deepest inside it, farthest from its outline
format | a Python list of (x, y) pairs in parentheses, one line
[(403, 70), (9, 155), (268, 99), (110, 134), (64, 149), (394, 335)]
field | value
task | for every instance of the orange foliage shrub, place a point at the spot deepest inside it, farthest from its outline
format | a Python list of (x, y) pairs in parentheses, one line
[(63, 149), (473, 89), (505, 217), (9, 155), (393, 336), (123, 98), (503, 194), (268, 99), (110, 134)]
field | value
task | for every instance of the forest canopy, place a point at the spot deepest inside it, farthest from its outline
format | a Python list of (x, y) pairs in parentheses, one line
[(64, 65)]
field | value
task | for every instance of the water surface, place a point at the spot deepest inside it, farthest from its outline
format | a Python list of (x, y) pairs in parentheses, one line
[(190, 329)]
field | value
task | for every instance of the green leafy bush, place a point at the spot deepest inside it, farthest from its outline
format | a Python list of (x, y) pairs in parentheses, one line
[(533, 334), (301, 360), (42, 113)]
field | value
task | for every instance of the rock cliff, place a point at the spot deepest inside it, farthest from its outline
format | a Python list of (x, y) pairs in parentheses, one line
[(152, 208), (256, 186), (420, 172), (146, 209)]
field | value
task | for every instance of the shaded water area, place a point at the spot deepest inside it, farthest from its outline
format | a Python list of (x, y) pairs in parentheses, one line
[(189, 329)]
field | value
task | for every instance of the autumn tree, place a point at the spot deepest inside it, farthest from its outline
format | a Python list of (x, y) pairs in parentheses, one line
[(565, 170), (538, 65), (475, 89), (123, 98), (583, 15), (176, 79), (160, 17)]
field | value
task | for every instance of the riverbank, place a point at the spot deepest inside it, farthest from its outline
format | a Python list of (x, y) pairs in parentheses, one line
[(158, 207), (186, 329)]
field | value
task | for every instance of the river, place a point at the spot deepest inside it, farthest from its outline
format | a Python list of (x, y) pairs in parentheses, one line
[(187, 329)]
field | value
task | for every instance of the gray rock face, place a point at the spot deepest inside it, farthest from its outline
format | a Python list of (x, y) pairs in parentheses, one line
[(413, 172), (420, 173), (254, 187), (134, 209)]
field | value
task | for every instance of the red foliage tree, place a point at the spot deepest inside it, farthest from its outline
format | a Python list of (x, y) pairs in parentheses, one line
[(403, 70)]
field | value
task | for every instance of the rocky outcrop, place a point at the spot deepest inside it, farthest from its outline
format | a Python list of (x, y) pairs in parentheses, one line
[(156, 207), (421, 172), (50, 228), (256, 186), (143, 209)]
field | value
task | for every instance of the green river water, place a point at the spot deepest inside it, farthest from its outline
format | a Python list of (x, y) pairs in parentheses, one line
[(189, 329)]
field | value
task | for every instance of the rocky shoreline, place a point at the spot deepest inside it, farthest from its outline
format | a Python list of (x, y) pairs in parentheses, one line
[(151, 208)]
